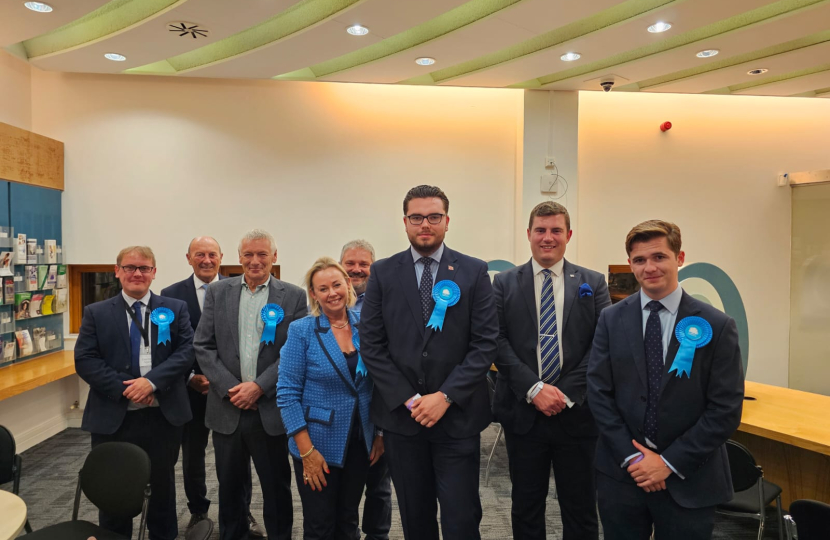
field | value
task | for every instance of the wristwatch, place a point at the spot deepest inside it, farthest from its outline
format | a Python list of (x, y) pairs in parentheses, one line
[(447, 398)]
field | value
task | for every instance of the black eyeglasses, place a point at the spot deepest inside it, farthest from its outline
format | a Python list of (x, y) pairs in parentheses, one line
[(130, 269), (417, 219)]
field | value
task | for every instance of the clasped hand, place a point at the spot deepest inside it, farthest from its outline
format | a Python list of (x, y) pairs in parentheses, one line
[(550, 400), (139, 391), (651, 472), (245, 395), (427, 410)]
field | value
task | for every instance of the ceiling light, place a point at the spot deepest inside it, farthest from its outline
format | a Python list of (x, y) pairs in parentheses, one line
[(40, 7), (357, 30), (656, 28), (570, 57), (757, 71), (425, 61), (708, 53), (115, 57)]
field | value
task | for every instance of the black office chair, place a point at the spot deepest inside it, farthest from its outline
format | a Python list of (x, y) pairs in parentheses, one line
[(812, 519), (752, 493), (11, 464), (115, 478)]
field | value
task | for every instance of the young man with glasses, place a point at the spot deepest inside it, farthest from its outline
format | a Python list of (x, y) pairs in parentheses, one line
[(429, 366), (136, 363)]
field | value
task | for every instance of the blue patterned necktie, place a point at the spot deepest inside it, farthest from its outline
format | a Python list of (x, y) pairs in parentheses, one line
[(425, 288), (135, 342), (549, 332), (653, 342)]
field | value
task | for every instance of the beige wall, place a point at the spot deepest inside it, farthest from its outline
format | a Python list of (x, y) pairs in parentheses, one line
[(714, 174), (157, 161), (15, 91)]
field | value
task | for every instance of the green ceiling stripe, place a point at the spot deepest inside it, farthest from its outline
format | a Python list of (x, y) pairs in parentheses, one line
[(781, 48), (761, 14), (769, 80), (614, 15), (464, 15), (298, 17), (108, 19)]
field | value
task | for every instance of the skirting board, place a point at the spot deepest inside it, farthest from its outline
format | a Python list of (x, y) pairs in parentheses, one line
[(39, 433)]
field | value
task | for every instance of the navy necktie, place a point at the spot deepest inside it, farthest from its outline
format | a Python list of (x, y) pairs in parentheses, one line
[(426, 288), (653, 342), (135, 342), (549, 332)]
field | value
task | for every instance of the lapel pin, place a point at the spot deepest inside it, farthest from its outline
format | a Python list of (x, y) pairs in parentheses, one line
[(449, 267), (572, 275)]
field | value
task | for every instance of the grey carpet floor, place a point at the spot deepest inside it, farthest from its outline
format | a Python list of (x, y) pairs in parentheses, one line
[(50, 474)]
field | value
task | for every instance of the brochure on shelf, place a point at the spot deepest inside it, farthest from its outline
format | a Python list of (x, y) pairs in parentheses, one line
[(21, 305), (6, 263), (52, 277), (61, 297), (21, 249), (24, 342), (34, 305), (39, 339), (61, 284), (46, 306), (31, 251), (8, 350), (42, 274), (51, 248), (31, 278), (8, 290)]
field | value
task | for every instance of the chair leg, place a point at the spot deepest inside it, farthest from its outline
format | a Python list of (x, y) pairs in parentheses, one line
[(28, 527), (780, 518), (763, 509), (490, 458)]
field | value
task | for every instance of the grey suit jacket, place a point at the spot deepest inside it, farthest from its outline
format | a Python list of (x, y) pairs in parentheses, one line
[(217, 351)]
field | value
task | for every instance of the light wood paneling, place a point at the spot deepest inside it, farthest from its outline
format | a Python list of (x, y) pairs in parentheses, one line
[(30, 158), (18, 378)]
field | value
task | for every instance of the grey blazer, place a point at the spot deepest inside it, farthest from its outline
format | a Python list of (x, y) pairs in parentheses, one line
[(217, 352)]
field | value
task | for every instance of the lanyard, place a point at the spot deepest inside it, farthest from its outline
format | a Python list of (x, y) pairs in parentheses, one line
[(143, 329)]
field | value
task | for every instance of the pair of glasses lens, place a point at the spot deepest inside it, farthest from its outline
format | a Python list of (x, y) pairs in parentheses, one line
[(417, 219), (130, 269)]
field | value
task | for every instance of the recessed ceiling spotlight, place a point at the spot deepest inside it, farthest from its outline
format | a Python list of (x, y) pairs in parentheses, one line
[(425, 61), (40, 7), (656, 28), (570, 57), (757, 71), (115, 57), (708, 53), (357, 30)]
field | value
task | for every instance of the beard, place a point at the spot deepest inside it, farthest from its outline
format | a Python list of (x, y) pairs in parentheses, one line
[(359, 288)]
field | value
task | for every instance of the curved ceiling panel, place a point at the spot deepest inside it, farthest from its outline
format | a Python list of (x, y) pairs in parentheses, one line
[(18, 23)]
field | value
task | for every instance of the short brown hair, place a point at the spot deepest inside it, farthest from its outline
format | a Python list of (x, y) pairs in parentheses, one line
[(425, 192), (549, 208), (654, 228), (141, 251), (324, 263)]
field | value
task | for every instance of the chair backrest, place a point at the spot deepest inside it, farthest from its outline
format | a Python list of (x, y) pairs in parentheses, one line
[(745, 472), (8, 450), (812, 519), (114, 478)]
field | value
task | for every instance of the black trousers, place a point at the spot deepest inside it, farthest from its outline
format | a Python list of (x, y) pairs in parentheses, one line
[(629, 513), (331, 514), (531, 456), (150, 430), (377, 506), (270, 456), (194, 443), (432, 465)]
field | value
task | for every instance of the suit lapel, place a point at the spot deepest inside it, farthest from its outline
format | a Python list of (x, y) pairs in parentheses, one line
[(118, 314), (632, 317), (192, 300), (409, 285), (155, 301), (233, 309), (526, 286), (276, 293), (686, 309), (447, 269), (331, 349), (571, 277)]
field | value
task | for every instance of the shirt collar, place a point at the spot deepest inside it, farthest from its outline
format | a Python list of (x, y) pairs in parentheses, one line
[(245, 283), (556, 269), (436, 255), (671, 302), (198, 282), (130, 300)]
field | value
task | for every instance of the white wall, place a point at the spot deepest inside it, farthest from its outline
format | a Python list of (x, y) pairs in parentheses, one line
[(714, 174), (157, 161), (15, 91)]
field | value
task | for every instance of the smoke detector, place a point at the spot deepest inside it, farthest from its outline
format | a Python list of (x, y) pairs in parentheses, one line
[(185, 29)]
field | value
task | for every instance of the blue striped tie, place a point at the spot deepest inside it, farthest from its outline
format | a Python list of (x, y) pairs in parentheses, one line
[(549, 332)]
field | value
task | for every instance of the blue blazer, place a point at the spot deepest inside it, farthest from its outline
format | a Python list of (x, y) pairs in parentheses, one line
[(315, 390), (102, 360), (696, 414)]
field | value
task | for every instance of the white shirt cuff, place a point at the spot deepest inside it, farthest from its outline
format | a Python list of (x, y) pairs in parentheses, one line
[(628, 459), (151, 384), (669, 465), (534, 391), (192, 373)]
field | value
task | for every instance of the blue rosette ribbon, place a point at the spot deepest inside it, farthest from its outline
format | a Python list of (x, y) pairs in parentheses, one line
[(361, 367), (692, 333), (272, 315), (446, 294), (162, 317)]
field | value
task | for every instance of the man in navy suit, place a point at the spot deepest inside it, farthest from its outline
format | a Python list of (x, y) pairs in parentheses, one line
[(431, 397), (137, 388), (205, 256), (666, 386), (548, 310)]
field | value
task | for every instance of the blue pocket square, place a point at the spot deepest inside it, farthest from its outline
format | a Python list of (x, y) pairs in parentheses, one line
[(585, 290)]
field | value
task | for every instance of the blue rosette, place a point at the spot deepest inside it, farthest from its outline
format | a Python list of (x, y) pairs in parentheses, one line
[(272, 315), (446, 294), (692, 333), (162, 317)]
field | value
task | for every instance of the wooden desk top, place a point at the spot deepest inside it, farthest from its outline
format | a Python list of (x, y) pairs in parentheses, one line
[(13, 510), (788, 416), (18, 378)]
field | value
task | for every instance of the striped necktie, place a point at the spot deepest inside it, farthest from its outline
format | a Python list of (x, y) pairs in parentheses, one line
[(549, 332)]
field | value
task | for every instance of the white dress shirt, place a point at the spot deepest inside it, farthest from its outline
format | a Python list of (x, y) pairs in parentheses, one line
[(200, 292), (433, 268), (143, 369)]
